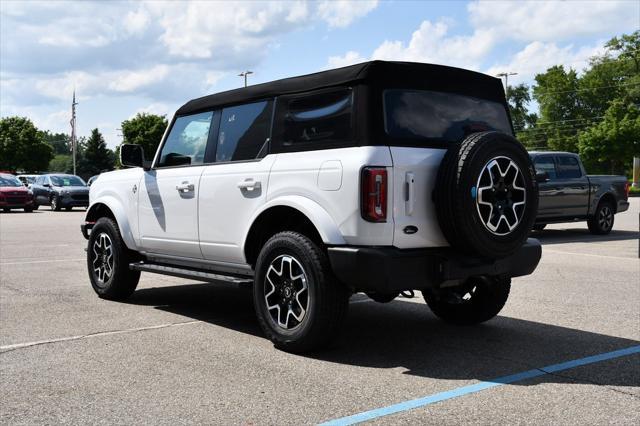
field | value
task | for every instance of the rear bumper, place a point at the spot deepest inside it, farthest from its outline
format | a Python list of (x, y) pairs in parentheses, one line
[(390, 270)]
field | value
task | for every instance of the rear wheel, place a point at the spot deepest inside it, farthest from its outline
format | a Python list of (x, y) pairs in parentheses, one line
[(28, 209), (108, 261), (35, 206), (299, 303), (602, 221), (68, 208), (479, 299)]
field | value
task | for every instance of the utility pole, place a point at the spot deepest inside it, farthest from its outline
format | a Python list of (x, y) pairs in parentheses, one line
[(73, 129), (245, 74), (506, 78)]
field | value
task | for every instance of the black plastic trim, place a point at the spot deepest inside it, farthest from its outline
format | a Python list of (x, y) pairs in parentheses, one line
[(389, 269)]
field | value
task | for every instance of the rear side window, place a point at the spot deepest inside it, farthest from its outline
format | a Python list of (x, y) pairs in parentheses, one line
[(187, 140), (568, 167), (244, 131), (442, 117), (317, 118), (546, 164)]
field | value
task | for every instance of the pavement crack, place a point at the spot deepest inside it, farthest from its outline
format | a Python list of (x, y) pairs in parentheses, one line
[(592, 382)]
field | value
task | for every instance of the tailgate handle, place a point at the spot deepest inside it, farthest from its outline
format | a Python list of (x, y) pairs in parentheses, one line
[(409, 193)]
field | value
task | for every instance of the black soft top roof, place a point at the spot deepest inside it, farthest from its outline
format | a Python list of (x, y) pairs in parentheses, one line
[(378, 74)]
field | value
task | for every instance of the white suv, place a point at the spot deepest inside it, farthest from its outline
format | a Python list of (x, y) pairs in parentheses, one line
[(378, 178)]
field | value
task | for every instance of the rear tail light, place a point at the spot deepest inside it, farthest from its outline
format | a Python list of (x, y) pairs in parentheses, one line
[(627, 188), (374, 194)]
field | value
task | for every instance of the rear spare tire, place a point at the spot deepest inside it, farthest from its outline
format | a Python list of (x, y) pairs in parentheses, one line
[(486, 195)]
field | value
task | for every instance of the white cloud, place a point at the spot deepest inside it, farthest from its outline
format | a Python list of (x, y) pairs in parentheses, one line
[(349, 58), (430, 43), (538, 56), (554, 20), (341, 13), (136, 22), (129, 81)]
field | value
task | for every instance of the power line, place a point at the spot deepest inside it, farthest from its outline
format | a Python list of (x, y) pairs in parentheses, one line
[(591, 88), (568, 120)]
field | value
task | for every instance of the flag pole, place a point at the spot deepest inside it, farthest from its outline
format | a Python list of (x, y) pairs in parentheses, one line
[(73, 129)]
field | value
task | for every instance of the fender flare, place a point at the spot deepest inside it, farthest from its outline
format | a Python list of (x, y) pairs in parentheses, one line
[(319, 217), (113, 204)]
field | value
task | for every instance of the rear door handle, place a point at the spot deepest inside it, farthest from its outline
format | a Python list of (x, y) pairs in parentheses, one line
[(185, 187), (249, 184)]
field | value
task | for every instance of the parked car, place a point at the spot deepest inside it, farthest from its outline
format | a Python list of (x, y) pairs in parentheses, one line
[(27, 179), (568, 194), (13, 194), (92, 179), (378, 178), (60, 191)]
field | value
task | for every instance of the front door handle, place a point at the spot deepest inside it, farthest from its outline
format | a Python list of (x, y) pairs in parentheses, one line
[(249, 184), (185, 187)]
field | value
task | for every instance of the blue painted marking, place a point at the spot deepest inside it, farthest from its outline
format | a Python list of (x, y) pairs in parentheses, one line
[(474, 192), (465, 390)]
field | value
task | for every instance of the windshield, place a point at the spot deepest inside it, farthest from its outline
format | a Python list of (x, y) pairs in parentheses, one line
[(67, 181), (446, 117), (6, 180)]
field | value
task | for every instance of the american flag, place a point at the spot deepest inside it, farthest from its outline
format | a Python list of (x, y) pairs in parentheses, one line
[(73, 122)]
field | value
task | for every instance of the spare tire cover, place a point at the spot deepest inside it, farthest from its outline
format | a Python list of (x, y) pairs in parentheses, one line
[(486, 195)]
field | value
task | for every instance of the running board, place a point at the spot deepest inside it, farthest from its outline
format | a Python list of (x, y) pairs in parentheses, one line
[(187, 273)]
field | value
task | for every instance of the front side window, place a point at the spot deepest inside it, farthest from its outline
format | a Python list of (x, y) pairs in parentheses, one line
[(441, 117), (568, 167), (187, 141), (546, 164), (317, 118), (244, 131)]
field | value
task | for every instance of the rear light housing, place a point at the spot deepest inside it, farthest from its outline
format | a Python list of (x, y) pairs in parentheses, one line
[(373, 194), (627, 188)]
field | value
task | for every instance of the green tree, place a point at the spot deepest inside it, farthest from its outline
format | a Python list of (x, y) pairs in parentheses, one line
[(561, 110), (22, 147), (58, 141), (61, 163), (145, 130), (609, 146), (518, 99), (96, 157)]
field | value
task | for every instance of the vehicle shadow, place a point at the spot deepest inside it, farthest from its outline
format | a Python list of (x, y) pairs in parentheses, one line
[(560, 236), (405, 335)]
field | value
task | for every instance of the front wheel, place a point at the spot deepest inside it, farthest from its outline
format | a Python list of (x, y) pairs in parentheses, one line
[(108, 261), (478, 300), (602, 221), (299, 303), (28, 209), (55, 203)]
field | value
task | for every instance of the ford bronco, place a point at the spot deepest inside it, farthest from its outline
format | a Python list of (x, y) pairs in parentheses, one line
[(380, 178)]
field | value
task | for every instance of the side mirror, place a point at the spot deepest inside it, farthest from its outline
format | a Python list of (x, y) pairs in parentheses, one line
[(542, 177), (132, 156)]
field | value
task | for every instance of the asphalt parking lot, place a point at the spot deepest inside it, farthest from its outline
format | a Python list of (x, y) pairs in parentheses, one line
[(179, 352)]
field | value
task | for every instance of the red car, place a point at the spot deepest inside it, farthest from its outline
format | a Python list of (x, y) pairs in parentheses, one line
[(13, 195)]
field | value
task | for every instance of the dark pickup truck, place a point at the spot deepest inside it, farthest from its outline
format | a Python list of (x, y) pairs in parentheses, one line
[(568, 194)]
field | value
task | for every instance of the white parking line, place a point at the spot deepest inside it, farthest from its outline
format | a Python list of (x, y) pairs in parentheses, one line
[(546, 250), (98, 334), (41, 261)]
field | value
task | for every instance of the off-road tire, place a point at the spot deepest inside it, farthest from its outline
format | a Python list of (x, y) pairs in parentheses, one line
[(601, 223), (488, 300), (123, 281), (36, 206), (328, 299), (455, 195)]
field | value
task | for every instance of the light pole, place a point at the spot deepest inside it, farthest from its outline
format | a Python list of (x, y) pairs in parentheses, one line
[(245, 74), (506, 78)]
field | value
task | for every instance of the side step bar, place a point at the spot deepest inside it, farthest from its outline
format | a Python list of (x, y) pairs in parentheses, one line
[(188, 273)]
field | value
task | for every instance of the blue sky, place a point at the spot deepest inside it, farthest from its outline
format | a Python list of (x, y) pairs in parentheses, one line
[(125, 57)]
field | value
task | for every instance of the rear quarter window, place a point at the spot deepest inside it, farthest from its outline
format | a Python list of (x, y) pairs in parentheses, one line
[(438, 116)]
